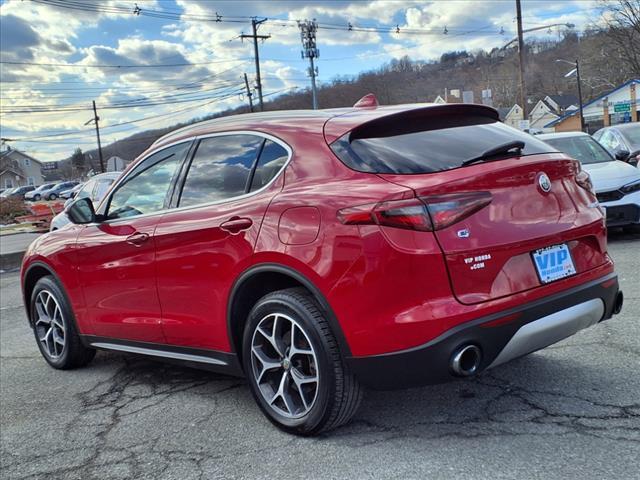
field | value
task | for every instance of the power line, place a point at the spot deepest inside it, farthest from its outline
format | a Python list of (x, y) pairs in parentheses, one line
[(106, 107), (163, 65), (217, 18)]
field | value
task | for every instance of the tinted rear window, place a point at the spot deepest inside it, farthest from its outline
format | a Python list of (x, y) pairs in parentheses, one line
[(429, 145)]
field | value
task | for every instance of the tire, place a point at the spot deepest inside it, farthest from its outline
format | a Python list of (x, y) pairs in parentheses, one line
[(48, 301), (36, 198), (53, 196), (313, 407)]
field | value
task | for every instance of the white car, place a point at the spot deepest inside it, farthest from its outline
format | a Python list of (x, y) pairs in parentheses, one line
[(617, 183), (95, 188)]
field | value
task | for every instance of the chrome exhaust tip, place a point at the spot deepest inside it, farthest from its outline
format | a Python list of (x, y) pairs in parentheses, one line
[(617, 306), (466, 360)]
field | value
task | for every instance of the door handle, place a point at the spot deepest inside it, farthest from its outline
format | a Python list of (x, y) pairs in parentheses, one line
[(236, 224), (137, 239)]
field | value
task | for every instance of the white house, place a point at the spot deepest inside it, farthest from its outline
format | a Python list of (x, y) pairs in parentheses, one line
[(549, 109)]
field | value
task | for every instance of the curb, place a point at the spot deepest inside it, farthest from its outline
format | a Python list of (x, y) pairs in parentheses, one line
[(11, 261)]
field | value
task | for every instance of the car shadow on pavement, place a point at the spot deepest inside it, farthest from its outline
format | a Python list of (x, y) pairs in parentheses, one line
[(536, 395)]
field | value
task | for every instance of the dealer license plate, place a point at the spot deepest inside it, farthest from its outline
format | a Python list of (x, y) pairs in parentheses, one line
[(553, 263)]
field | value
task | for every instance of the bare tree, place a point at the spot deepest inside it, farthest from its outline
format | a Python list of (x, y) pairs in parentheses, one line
[(623, 21)]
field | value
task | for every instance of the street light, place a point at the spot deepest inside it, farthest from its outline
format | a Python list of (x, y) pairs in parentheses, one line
[(576, 70)]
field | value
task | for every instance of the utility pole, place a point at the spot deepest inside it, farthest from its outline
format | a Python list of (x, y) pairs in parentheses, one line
[(576, 70), (249, 94), (580, 95), (95, 120), (523, 88), (255, 37), (309, 50)]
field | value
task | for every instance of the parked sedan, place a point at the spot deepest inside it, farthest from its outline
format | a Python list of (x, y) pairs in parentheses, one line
[(94, 188), (622, 141), (55, 191), (35, 195), (17, 192), (71, 192), (316, 252), (617, 183)]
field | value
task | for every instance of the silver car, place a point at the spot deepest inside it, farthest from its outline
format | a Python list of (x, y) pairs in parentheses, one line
[(95, 188)]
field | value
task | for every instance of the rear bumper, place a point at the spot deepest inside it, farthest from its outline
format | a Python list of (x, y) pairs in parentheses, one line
[(501, 337)]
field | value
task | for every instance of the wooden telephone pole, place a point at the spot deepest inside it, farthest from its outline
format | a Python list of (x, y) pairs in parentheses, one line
[(255, 37)]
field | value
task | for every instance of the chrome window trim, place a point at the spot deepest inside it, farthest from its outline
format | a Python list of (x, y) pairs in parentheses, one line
[(267, 136)]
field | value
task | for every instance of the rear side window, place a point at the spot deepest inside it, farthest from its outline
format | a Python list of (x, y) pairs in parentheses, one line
[(220, 169), (271, 160), (427, 145)]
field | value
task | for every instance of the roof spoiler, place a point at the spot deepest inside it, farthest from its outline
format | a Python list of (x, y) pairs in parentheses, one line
[(385, 118)]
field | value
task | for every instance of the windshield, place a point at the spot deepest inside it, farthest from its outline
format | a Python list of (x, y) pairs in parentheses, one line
[(632, 135), (582, 148), (7, 192), (46, 186)]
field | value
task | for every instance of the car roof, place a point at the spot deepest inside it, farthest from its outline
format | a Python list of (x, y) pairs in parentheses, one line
[(545, 136), (336, 121), (108, 175), (625, 126)]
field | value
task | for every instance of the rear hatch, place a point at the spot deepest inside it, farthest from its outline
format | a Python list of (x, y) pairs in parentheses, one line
[(517, 218)]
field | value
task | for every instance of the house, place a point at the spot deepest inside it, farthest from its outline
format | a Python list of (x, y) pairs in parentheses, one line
[(549, 109), (619, 105), (511, 116), (18, 169)]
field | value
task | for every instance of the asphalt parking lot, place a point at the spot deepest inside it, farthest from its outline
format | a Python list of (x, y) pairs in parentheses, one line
[(569, 411)]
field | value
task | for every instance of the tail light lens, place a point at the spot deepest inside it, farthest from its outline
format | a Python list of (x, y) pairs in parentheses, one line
[(445, 210), (584, 180), (424, 214)]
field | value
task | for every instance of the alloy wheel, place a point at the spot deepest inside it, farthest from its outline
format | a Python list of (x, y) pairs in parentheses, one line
[(49, 324), (285, 366)]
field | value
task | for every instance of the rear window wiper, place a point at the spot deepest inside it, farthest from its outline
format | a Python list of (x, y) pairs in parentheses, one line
[(516, 145)]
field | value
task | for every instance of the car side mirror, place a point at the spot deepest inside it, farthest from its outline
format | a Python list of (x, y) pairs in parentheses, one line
[(81, 211), (622, 155), (73, 194)]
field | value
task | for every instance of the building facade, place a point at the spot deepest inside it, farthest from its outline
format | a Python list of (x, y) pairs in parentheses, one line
[(17, 169), (619, 105)]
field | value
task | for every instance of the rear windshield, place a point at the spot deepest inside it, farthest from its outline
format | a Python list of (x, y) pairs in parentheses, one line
[(582, 148), (428, 145)]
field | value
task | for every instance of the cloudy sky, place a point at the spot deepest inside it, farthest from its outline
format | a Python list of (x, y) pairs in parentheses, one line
[(59, 55)]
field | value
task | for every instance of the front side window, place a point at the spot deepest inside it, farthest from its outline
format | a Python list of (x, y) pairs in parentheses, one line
[(145, 191), (220, 169), (272, 158)]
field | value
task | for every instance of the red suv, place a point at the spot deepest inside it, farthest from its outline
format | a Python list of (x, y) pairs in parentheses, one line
[(317, 252)]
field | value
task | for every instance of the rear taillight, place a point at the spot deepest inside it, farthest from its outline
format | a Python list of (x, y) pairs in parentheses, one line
[(410, 214), (423, 214), (445, 210), (584, 180)]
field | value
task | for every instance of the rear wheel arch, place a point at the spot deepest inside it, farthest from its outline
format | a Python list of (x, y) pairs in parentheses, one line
[(260, 280)]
